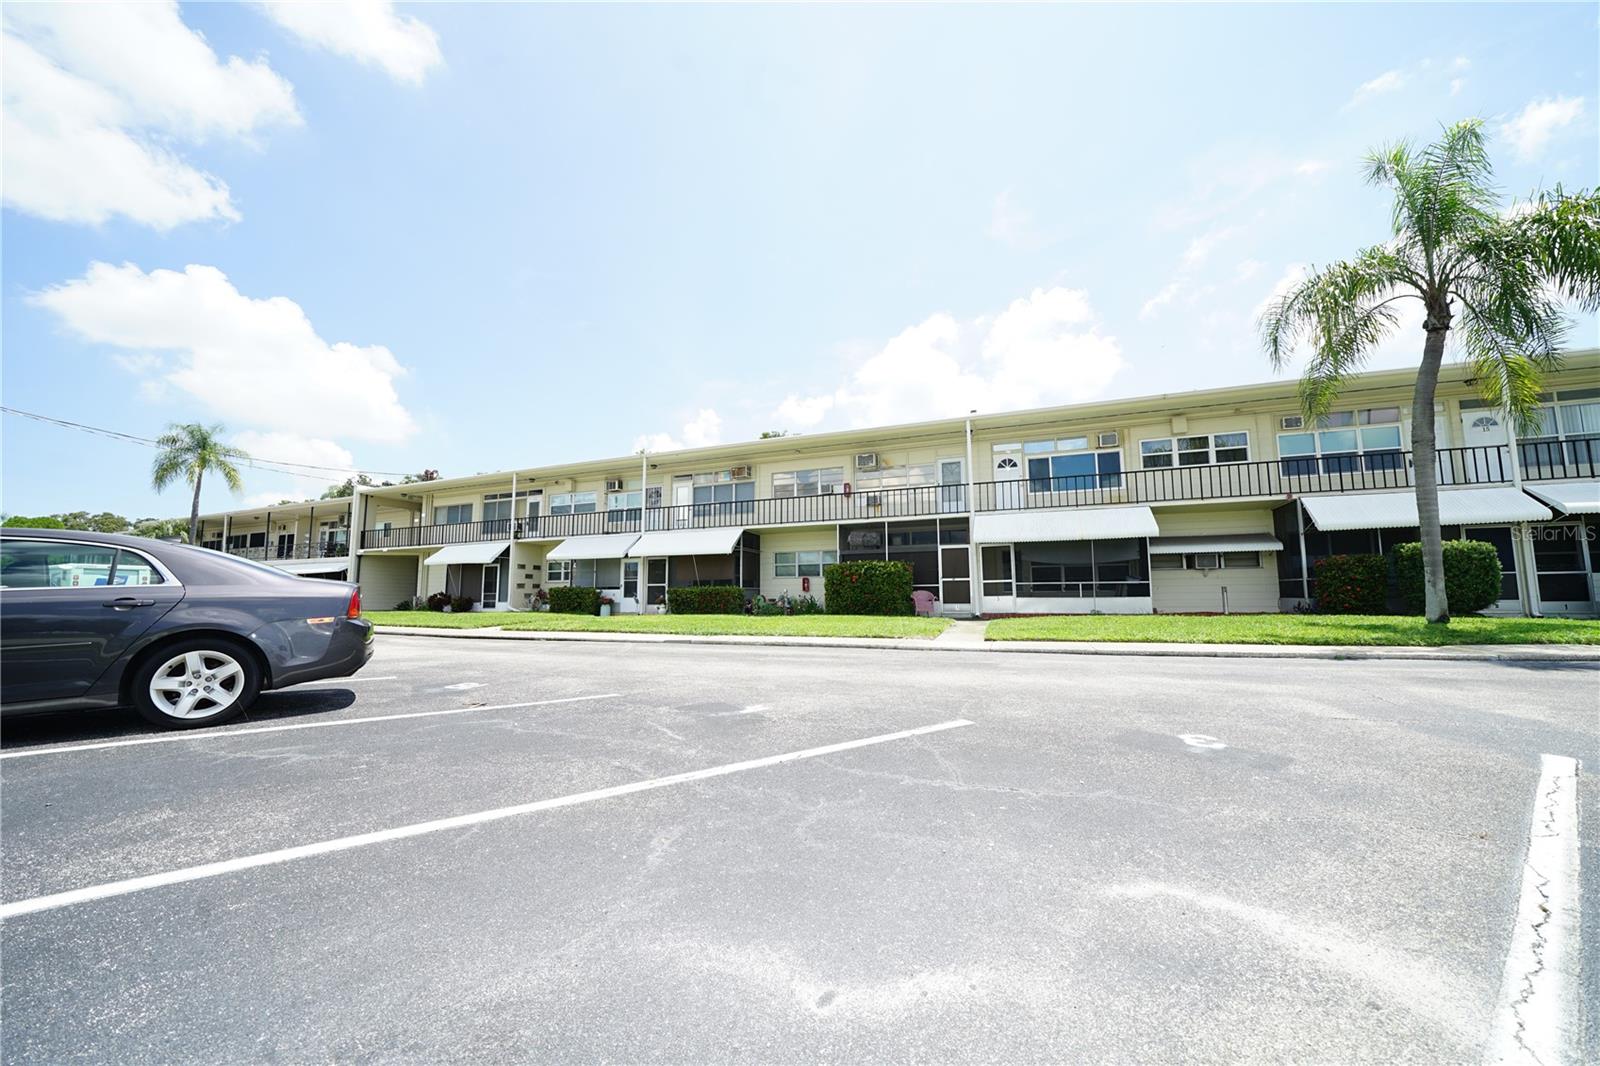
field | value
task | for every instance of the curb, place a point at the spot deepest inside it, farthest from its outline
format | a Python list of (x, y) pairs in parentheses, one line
[(1559, 653)]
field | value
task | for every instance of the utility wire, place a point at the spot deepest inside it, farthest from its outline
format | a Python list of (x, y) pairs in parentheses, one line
[(279, 466)]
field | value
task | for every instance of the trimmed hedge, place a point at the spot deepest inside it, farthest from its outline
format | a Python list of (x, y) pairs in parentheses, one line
[(1352, 584), (1471, 575), (706, 599), (574, 601), (439, 601), (869, 587)]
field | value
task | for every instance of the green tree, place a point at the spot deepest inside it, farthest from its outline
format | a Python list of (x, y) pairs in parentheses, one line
[(161, 528), (339, 492), (1492, 278), (188, 453), (48, 521)]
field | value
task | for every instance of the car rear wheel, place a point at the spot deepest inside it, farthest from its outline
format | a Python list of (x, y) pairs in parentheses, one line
[(196, 683)]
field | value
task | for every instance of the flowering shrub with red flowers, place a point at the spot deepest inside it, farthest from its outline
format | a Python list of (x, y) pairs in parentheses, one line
[(1351, 584)]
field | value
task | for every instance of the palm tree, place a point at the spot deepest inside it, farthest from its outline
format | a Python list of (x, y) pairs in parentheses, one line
[(188, 452), (1493, 277)]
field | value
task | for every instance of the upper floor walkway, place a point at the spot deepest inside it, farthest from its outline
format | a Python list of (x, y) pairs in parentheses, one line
[(1271, 479)]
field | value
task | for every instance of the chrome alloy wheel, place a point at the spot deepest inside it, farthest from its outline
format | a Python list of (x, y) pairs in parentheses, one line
[(197, 684)]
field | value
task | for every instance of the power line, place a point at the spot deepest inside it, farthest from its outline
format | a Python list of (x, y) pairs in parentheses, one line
[(278, 466)]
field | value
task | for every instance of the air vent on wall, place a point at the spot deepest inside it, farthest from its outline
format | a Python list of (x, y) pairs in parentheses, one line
[(1109, 440)]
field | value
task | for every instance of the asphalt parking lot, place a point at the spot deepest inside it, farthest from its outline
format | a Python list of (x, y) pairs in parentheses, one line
[(965, 857)]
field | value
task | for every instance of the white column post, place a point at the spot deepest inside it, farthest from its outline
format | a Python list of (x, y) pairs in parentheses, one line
[(974, 586)]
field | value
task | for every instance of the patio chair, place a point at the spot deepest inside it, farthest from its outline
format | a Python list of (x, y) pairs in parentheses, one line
[(924, 602)]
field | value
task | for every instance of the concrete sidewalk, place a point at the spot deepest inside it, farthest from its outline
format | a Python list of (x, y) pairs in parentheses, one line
[(967, 637)]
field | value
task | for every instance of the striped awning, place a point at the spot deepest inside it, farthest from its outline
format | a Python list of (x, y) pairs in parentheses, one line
[(1398, 510), (1568, 497), (1223, 542), (1066, 523)]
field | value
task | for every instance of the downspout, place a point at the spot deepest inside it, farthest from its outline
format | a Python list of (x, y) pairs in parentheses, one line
[(974, 585), (1522, 541), (1305, 568), (644, 489)]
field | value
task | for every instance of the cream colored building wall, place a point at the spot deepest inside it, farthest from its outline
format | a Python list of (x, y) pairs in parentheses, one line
[(527, 571), (1250, 591), (1183, 521), (386, 580), (821, 538)]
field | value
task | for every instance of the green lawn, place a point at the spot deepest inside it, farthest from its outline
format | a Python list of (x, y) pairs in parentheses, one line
[(1296, 629), (703, 625), (437, 619)]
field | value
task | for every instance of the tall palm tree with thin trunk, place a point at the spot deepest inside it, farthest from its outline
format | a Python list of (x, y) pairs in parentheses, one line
[(1490, 281), (187, 453)]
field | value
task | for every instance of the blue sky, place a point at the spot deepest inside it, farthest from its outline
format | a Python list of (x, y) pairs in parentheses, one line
[(474, 237)]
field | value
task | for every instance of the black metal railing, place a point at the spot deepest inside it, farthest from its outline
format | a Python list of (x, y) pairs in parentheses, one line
[(1281, 478), (330, 548)]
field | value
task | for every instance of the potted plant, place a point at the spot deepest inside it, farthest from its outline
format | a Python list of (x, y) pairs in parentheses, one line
[(541, 600), (659, 604), (605, 606)]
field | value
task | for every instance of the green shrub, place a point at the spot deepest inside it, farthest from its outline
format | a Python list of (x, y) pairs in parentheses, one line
[(1352, 584), (403, 605), (1471, 575), (766, 608), (18, 521), (706, 599), (574, 601), (870, 587), (438, 601), (462, 604)]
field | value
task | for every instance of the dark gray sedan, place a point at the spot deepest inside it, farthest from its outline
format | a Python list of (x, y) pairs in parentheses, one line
[(186, 636)]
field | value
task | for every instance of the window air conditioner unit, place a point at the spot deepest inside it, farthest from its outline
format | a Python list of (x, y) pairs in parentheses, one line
[(613, 484), (739, 472), (866, 460), (1292, 422), (1109, 440)]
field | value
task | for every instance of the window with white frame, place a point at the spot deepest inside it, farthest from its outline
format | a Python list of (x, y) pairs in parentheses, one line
[(452, 514), (1567, 422), (623, 501), (802, 564), (573, 503), (496, 506), (1344, 442), (904, 476), (558, 571), (1070, 464), (713, 488), (1207, 561), (1198, 450), (818, 482)]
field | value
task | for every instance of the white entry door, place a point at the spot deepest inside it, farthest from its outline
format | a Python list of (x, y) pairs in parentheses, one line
[(952, 486), (628, 602), (491, 587), (1486, 458)]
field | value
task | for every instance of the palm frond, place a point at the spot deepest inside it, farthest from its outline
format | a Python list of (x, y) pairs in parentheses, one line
[(1562, 232)]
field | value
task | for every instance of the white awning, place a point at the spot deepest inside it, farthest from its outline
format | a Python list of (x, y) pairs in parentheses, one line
[(601, 546), (1066, 523), (718, 541), (1222, 542), (486, 552), (1398, 510), (1569, 497)]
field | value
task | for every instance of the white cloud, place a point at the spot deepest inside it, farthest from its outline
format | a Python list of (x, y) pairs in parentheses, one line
[(368, 31), (703, 429), (251, 362), (1044, 348), (295, 448), (1292, 275), (1247, 269), (1310, 167), (1169, 292), (97, 95), (1201, 247), (1387, 82), (1456, 85), (1011, 224), (1460, 63), (1532, 129)]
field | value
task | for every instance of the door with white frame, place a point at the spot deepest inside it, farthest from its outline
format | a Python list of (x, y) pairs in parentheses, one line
[(952, 486), (490, 599), (1486, 459), (629, 601)]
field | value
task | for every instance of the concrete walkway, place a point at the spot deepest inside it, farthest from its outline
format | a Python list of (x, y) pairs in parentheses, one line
[(957, 639)]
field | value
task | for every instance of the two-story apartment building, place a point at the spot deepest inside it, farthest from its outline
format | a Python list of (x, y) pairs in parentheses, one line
[(1218, 500), (310, 538)]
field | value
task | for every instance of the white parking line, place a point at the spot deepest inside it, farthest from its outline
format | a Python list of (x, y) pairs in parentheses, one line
[(383, 836), (218, 734), (1539, 1018)]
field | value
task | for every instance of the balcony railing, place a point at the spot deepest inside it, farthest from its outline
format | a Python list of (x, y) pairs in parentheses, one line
[(1264, 479), (332, 548)]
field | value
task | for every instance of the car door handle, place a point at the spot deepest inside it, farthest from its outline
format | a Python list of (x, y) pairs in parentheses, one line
[(124, 603)]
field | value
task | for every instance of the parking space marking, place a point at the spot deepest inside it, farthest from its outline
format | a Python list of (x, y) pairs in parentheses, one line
[(383, 836), (217, 734), (1538, 1020)]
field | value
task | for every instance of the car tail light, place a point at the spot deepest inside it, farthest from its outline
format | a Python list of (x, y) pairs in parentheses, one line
[(355, 605)]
